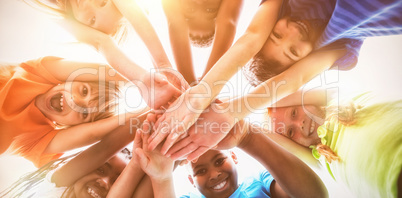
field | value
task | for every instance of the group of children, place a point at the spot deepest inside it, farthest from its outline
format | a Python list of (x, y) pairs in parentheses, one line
[(46, 112)]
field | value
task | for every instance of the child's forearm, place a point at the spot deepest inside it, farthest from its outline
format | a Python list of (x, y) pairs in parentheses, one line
[(87, 133), (225, 30), (179, 39), (105, 45), (317, 97), (182, 53), (135, 15), (163, 188), (292, 175), (128, 181), (284, 84), (246, 47), (120, 62), (96, 155)]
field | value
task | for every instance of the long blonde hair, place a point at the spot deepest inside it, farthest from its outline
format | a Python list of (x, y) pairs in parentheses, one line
[(353, 114)]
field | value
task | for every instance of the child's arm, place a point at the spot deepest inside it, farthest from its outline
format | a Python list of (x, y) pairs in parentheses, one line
[(225, 30), (292, 177), (128, 181), (148, 83), (264, 95), (192, 103), (85, 134), (134, 14), (179, 40), (65, 70), (318, 97), (158, 167), (107, 47), (91, 158)]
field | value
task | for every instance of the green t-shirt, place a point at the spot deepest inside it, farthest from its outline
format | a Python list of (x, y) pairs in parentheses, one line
[(370, 150)]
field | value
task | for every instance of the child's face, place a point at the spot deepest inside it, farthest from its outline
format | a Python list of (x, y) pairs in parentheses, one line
[(215, 174), (97, 183), (295, 123), (99, 14), (68, 103), (289, 41), (200, 15)]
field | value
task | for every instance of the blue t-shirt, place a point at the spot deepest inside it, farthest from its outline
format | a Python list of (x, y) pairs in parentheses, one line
[(257, 186), (347, 23)]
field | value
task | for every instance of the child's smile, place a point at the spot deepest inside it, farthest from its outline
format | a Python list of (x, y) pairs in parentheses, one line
[(67, 104), (57, 102), (215, 174)]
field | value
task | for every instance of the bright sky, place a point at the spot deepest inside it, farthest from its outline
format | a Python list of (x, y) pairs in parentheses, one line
[(26, 34)]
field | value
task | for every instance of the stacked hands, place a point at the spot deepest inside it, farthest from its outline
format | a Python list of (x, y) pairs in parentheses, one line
[(190, 126)]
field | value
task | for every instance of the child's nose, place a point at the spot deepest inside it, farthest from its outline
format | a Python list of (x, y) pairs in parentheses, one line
[(104, 182), (215, 174), (301, 123)]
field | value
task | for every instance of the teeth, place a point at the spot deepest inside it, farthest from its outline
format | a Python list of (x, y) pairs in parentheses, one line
[(219, 186), (312, 126), (61, 102), (93, 193)]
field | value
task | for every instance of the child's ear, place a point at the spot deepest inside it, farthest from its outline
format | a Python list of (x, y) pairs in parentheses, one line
[(191, 180), (234, 157)]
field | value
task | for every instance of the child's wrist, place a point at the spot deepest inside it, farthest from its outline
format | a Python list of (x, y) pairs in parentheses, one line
[(161, 180), (247, 136)]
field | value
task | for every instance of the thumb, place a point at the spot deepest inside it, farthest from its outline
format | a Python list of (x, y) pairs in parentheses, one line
[(142, 158), (158, 78)]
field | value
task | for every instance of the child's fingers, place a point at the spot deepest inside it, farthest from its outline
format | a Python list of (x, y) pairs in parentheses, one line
[(178, 146), (190, 148), (145, 144), (151, 117), (176, 132), (160, 122), (157, 139), (183, 162), (146, 126), (197, 153), (137, 139)]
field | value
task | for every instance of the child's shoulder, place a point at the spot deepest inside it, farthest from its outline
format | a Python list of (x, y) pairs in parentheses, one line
[(257, 185)]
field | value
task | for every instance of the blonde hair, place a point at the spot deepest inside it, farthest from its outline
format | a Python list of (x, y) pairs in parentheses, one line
[(62, 9), (354, 114)]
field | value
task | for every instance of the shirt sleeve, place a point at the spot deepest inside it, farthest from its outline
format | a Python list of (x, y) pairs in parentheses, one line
[(266, 179), (350, 59), (35, 150), (36, 69)]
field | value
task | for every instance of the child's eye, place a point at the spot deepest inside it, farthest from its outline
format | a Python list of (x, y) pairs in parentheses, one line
[(92, 22), (294, 113), (276, 35), (103, 3), (200, 172), (293, 51), (84, 91), (219, 161), (101, 170), (290, 132)]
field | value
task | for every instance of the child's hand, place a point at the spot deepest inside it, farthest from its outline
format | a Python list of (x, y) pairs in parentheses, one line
[(180, 116), (212, 126), (157, 91), (175, 78), (154, 164), (234, 137)]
